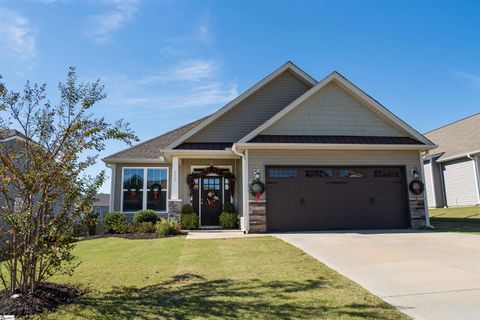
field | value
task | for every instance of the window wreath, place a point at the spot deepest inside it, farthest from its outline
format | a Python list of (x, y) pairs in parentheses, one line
[(155, 190), (211, 170), (133, 191), (257, 188)]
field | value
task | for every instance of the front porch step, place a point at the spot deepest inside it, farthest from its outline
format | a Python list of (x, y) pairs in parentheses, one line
[(210, 228)]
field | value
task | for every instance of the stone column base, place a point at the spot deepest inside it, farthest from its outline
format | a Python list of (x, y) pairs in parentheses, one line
[(174, 209), (417, 213), (258, 216)]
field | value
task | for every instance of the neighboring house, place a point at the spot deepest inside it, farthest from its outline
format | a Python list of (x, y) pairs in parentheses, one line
[(330, 155), (452, 169), (101, 205)]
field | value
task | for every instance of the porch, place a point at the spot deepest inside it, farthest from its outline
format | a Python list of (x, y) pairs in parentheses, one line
[(206, 183)]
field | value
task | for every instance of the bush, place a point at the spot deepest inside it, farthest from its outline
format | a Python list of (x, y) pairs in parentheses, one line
[(228, 220), (189, 221), (145, 216), (228, 207), (115, 222), (145, 227), (167, 227), (187, 209), (86, 225)]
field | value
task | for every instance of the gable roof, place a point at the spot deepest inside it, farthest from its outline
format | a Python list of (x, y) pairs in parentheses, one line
[(457, 139), (151, 149), (287, 66), (7, 134), (338, 78)]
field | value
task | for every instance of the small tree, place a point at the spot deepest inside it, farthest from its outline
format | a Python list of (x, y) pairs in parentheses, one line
[(43, 185)]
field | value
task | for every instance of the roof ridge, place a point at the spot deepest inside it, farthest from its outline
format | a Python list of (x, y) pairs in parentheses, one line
[(452, 123), (156, 137)]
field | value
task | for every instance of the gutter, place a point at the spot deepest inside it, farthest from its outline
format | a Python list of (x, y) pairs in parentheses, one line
[(245, 197), (328, 146)]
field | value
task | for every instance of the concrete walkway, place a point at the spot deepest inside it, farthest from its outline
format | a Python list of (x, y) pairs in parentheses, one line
[(220, 234), (427, 275)]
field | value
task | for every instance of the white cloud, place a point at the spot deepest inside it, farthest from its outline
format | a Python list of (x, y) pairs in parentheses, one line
[(472, 79), (16, 35), (189, 84), (119, 13), (191, 70)]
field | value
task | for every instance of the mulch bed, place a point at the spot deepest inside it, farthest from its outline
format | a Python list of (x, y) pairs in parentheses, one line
[(134, 236), (48, 297)]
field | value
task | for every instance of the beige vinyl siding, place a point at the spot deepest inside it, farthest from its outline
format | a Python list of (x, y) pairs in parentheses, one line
[(428, 184), (118, 179), (459, 180), (258, 159), (333, 111), (253, 111)]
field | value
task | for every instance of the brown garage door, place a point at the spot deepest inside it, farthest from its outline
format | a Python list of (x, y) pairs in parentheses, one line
[(335, 198)]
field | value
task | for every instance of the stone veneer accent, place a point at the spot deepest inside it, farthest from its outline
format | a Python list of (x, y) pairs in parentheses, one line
[(417, 212), (174, 209), (258, 216)]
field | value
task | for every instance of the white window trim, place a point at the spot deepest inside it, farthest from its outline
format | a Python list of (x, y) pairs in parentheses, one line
[(144, 189)]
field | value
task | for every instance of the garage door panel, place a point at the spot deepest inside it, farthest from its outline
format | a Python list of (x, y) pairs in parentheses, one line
[(336, 198)]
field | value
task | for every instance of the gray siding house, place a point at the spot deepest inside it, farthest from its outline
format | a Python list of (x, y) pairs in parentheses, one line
[(329, 155), (452, 169)]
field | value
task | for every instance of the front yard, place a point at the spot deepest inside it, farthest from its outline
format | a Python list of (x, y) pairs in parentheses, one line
[(466, 219), (258, 278)]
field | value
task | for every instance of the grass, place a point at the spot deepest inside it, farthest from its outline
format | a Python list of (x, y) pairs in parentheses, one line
[(174, 278), (465, 219)]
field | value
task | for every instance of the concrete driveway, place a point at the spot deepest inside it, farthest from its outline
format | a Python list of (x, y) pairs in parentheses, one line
[(427, 275)]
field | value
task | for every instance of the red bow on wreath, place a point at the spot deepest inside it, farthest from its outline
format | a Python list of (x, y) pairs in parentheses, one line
[(156, 190)]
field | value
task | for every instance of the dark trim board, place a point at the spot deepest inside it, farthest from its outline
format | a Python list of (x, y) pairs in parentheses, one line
[(354, 198)]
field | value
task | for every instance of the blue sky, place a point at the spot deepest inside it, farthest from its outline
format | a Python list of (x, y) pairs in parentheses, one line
[(165, 63)]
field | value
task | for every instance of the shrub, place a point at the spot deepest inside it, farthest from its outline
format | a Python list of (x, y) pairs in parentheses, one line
[(145, 216), (228, 220), (228, 207), (86, 225), (167, 227), (187, 209), (115, 222), (189, 221), (145, 227)]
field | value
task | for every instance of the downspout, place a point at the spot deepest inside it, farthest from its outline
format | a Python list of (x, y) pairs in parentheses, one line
[(245, 196), (471, 156)]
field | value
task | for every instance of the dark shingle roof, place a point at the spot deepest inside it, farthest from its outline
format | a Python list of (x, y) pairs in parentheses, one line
[(150, 149), (457, 138), (334, 139)]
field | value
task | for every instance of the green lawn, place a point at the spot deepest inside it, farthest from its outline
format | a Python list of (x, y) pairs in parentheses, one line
[(456, 219), (256, 278)]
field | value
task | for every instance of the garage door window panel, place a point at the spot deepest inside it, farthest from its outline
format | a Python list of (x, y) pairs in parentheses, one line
[(283, 173)]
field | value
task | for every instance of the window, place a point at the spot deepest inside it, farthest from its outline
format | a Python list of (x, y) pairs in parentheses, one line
[(386, 173), (283, 173), (140, 193), (322, 173), (349, 173)]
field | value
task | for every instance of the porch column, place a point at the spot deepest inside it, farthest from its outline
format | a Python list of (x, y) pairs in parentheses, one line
[(175, 172)]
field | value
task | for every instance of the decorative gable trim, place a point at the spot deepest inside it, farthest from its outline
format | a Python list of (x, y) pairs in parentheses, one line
[(337, 77), (287, 66)]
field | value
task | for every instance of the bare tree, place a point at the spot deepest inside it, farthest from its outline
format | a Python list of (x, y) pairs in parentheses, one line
[(43, 184)]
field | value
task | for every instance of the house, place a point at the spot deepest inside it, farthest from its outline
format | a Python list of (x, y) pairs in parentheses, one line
[(101, 205), (330, 155), (452, 169)]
